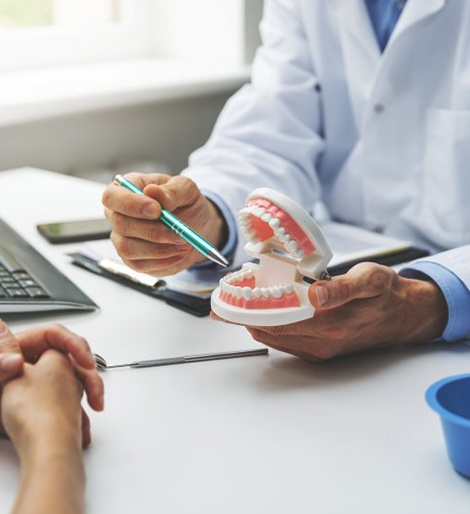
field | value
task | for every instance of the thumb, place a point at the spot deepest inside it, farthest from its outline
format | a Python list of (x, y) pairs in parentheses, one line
[(11, 358), (365, 280)]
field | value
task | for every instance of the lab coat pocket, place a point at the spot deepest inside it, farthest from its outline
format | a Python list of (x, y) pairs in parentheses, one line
[(446, 185)]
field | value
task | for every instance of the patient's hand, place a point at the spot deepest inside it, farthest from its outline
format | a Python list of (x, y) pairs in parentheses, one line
[(42, 415), (30, 345), (43, 403)]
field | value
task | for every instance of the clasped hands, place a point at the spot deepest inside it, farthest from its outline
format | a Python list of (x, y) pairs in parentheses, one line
[(43, 374)]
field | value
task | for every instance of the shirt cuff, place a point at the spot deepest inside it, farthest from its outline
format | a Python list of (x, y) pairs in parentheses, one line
[(455, 292), (228, 250)]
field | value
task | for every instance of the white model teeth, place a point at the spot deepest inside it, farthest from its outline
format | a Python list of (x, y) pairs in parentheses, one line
[(247, 293), (288, 288), (291, 245)]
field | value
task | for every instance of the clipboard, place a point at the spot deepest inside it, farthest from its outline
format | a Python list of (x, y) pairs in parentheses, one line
[(387, 259), (192, 304)]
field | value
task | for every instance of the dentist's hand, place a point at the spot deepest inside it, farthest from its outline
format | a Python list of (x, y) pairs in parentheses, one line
[(148, 245), (368, 307)]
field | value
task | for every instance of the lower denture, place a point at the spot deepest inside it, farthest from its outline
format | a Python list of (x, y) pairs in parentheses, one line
[(286, 300)]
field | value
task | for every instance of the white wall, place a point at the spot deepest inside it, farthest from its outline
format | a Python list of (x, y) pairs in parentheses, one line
[(164, 132), (212, 30)]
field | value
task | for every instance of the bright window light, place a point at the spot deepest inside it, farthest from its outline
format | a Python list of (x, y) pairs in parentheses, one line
[(26, 13), (44, 33), (51, 33), (43, 13)]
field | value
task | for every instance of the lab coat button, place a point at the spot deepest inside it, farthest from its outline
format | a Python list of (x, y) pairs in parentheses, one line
[(378, 108)]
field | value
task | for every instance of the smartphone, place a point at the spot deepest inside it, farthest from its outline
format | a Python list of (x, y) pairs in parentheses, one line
[(73, 231)]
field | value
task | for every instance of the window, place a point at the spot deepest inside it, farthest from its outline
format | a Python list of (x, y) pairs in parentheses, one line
[(40, 13), (58, 32)]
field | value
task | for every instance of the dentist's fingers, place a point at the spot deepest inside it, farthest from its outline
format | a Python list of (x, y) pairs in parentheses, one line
[(177, 192), (118, 200), (365, 280)]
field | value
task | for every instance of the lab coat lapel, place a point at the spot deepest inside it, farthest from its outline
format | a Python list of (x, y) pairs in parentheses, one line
[(354, 20), (414, 12)]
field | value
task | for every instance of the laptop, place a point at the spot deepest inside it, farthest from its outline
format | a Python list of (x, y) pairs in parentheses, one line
[(30, 283)]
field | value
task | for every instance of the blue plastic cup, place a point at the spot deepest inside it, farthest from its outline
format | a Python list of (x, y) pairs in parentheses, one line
[(450, 398)]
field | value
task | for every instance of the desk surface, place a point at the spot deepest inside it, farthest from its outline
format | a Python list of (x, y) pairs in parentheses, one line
[(262, 434)]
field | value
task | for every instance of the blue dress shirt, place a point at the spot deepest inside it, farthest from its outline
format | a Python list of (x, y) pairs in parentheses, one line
[(384, 15)]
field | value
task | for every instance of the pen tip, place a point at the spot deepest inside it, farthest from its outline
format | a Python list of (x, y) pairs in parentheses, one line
[(219, 259)]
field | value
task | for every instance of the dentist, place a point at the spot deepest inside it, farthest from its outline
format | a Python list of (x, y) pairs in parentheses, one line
[(363, 105)]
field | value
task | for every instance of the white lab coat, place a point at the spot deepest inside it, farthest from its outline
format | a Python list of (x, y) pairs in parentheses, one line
[(382, 139)]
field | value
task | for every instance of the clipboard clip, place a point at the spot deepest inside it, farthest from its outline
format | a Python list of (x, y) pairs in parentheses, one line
[(120, 269), (151, 286)]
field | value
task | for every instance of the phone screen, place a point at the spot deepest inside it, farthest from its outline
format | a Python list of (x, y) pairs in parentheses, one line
[(79, 230)]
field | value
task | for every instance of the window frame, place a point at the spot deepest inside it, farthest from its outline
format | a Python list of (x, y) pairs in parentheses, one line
[(32, 47)]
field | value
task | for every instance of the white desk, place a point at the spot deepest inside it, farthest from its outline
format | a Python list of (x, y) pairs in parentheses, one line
[(256, 435)]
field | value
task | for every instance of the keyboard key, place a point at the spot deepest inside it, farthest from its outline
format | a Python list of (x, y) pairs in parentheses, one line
[(7, 281), (3, 293), (36, 292), (21, 275), (17, 292), (26, 283)]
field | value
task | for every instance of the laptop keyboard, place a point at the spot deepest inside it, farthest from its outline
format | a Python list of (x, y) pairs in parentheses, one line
[(30, 283), (16, 282)]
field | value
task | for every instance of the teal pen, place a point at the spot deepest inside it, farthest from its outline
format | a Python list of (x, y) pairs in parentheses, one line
[(187, 233)]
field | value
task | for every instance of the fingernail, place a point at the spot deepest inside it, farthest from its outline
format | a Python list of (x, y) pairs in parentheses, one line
[(323, 295), (151, 211), (10, 363)]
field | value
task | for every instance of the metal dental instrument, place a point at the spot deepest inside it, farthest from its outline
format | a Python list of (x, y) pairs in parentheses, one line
[(102, 365), (175, 224)]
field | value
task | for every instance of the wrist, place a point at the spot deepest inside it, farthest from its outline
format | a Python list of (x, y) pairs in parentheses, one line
[(52, 474), (38, 442), (427, 301), (60, 452)]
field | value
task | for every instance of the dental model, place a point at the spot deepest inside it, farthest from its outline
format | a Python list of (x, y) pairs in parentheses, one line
[(290, 246)]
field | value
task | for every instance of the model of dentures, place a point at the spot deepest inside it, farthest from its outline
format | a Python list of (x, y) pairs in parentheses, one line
[(290, 246)]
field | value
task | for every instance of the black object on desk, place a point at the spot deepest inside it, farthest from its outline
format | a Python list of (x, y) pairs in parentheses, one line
[(387, 259), (197, 306)]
